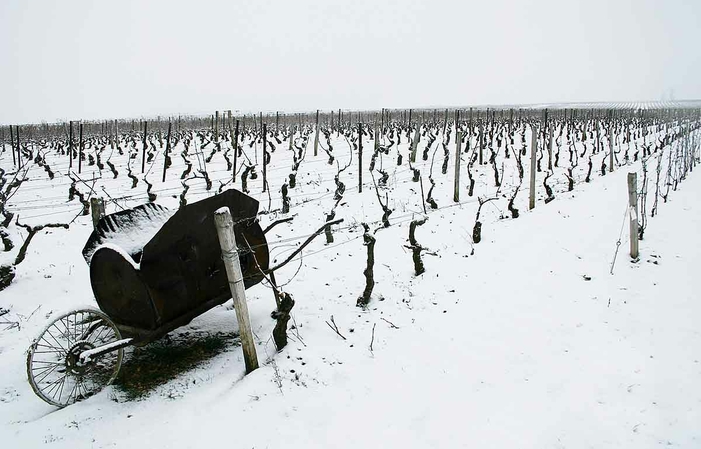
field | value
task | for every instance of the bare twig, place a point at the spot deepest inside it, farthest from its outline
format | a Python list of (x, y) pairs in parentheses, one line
[(334, 328), (394, 326), (277, 222), (303, 245)]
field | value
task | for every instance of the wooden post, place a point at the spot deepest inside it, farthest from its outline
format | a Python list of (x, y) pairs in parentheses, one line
[(360, 158), (265, 161), (415, 143), (227, 243), (377, 135), (611, 147), (165, 159), (534, 144), (445, 122), (550, 148), (633, 212), (97, 207), (481, 142), (216, 128), (456, 188), (316, 135), (20, 164), (80, 147), (457, 121), (70, 144), (12, 146), (143, 150), (235, 146)]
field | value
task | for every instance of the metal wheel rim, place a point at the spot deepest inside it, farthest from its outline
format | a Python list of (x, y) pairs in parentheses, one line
[(52, 368)]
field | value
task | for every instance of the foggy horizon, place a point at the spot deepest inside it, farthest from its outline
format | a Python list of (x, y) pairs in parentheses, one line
[(84, 61)]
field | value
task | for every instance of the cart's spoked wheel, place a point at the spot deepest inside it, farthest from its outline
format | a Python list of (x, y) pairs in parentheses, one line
[(54, 368)]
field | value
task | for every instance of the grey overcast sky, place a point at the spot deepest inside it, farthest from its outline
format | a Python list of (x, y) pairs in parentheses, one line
[(92, 59)]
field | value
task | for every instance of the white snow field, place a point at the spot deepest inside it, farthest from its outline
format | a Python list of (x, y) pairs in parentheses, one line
[(524, 340)]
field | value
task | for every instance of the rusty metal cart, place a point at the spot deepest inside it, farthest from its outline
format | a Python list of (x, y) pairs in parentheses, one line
[(152, 270)]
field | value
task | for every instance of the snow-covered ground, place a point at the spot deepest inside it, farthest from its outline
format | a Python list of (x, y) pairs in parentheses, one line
[(529, 342)]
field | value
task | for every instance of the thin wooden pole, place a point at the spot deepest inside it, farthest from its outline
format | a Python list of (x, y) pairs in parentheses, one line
[(481, 141), (377, 135), (550, 148), (360, 158), (70, 144), (611, 160), (227, 243), (80, 147), (143, 150), (456, 187), (415, 144), (534, 144), (265, 161), (216, 128), (633, 212), (235, 146), (316, 135), (12, 145), (165, 159), (20, 163)]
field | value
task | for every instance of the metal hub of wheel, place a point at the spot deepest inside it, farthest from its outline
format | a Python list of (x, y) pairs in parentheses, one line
[(73, 363)]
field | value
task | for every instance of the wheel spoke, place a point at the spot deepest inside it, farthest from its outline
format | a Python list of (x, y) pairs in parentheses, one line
[(46, 362), (46, 374), (52, 386), (98, 334), (58, 347), (54, 338), (65, 323)]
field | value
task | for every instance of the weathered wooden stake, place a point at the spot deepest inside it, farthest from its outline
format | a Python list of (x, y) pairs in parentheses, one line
[(165, 158), (143, 150), (360, 158), (534, 145), (265, 160), (377, 135), (12, 146), (457, 122), (80, 148), (20, 163), (235, 146), (610, 147), (633, 212), (316, 134), (227, 243), (481, 142), (216, 128), (70, 144), (415, 143), (97, 208), (550, 148), (456, 188)]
